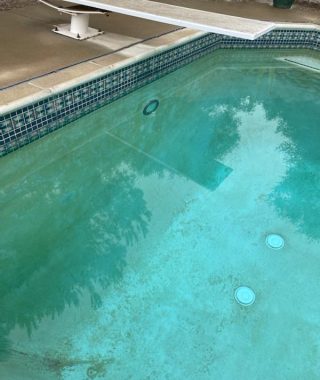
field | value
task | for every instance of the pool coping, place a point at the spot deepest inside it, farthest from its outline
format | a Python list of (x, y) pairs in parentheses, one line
[(50, 84), (61, 97)]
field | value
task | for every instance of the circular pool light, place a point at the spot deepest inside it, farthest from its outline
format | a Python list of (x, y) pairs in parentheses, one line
[(244, 296), (151, 107), (275, 241)]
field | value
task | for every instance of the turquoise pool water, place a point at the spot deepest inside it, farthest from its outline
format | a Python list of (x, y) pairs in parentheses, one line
[(124, 236)]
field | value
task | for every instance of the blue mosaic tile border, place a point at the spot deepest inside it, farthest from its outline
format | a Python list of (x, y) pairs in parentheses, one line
[(280, 38), (33, 121)]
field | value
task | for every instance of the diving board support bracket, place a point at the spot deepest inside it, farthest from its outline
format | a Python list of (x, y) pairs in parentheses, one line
[(79, 25), (78, 28)]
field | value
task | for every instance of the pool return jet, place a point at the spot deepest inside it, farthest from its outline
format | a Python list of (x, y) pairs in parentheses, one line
[(160, 12)]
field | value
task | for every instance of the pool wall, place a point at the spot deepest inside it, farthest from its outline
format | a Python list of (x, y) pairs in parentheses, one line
[(29, 123)]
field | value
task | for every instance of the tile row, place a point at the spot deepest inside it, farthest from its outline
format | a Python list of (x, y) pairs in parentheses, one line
[(33, 121)]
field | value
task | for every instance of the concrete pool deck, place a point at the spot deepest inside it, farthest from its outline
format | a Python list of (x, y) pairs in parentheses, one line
[(31, 49), (40, 87), (300, 12), (34, 62)]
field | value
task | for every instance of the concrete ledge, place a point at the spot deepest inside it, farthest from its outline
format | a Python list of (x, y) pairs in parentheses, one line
[(62, 97), (40, 88), (21, 95), (54, 83)]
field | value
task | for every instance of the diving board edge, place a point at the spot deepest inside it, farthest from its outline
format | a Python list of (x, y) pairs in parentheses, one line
[(166, 13)]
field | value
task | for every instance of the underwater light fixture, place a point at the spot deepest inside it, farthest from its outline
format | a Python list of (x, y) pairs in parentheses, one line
[(151, 107), (244, 295), (275, 241)]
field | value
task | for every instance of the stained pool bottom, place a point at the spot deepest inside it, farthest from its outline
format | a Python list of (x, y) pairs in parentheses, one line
[(124, 238)]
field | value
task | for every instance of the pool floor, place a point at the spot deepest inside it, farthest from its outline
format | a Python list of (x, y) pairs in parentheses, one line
[(125, 236)]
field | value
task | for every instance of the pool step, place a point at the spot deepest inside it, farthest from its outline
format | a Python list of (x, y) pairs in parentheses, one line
[(308, 63)]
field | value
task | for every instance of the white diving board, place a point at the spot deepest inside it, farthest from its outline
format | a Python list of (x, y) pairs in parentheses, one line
[(185, 17)]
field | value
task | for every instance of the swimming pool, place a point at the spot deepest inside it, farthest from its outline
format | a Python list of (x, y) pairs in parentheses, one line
[(125, 236)]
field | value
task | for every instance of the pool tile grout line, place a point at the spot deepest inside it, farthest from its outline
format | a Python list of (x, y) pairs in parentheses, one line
[(32, 121)]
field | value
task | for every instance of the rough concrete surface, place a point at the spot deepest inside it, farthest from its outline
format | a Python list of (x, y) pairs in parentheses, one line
[(10, 4), (31, 49)]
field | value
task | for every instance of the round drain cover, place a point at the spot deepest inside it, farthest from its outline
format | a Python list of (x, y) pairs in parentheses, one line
[(244, 296), (275, 241), (151, 107)]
